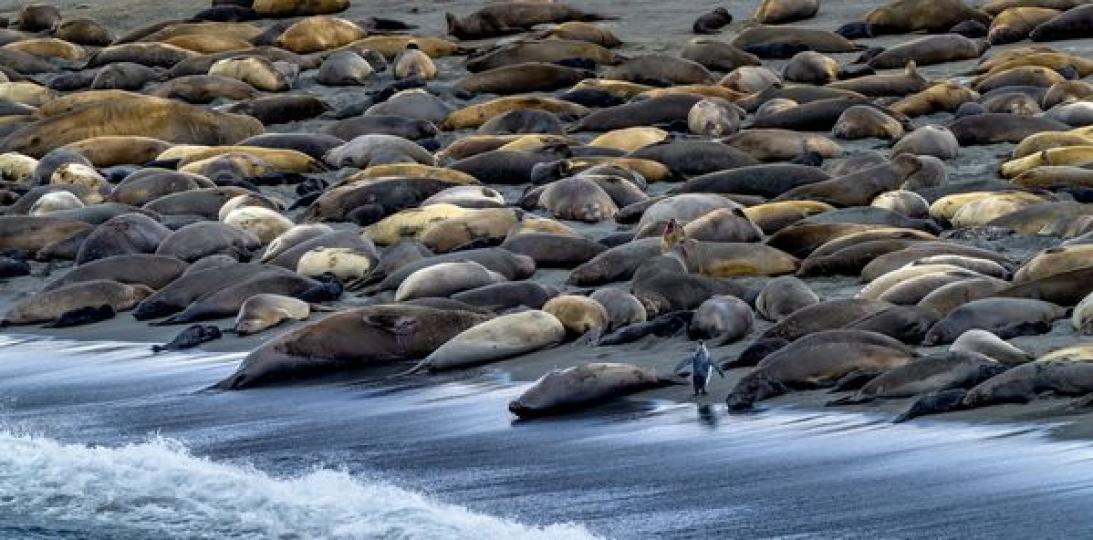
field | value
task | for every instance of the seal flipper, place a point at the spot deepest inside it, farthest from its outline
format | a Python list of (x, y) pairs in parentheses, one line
[(934, 403), (854, 380)]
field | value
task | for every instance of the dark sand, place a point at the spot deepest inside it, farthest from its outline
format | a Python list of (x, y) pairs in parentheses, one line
[(645, 26)]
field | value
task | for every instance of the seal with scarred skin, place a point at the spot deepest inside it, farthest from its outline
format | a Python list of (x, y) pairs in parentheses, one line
[(580, 387)]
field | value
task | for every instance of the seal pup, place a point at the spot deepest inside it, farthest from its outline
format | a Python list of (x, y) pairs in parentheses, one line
[(189, 338), (701, 368)]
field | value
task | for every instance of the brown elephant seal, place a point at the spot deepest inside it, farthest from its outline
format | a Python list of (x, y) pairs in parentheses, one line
[(1074, 23), (976, 341), (110, 151), (523, 77), (298, 8), (319, 33), (1005, 317), (826, 315), (712, 22), (582, 31), (623, 309), (445, 279), (820, 364), (507, 295), (773, 348), (32, 233), (125, 234), (581, 387), (50, 305), (859, 188), (202, 89), (499, 338), (263, 223), (1014, 103), (501, 19), (346, 264), (783, 296), (904, 16), (910, 81), (944, 96), (810, 67), (256, 71), (717, 55), (784, 41), (38, 18), (816, 115), (359, 338), (864, 121), (994, 128), (264, 311), (929, 50), (204, 238), (1015, 24), (84, 32), (783, 11), (781, 144), (1017, 76), (750, 79), (929, 374), (721, 320), (173, 122), (579, 315), (1055, 260), (661, 69)]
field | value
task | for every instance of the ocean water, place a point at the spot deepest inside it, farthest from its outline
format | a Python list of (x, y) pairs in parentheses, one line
[(105, 440)]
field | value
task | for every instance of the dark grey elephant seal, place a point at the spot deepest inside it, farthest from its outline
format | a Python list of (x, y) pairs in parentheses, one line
[(365, 337), (204, 238), (1005, 317), (145, 269), (124, 234), (49, 305), (929, 374), (227, 301), (580, 387), (1027, 381)]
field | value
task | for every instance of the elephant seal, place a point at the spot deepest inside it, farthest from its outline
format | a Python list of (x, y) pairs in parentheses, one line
[(502, 19), (863, 121), (826, 315), (507, 295), (279, 109), (781, 144), (666, 325), (663, 109), (105, 152), (499, 338), (523, 77), (751, 79), (38, 18), (227, 300), (1015, 24), (1055, 260), (580, 387), (378, 149), (907, 324), (292, 237), (413, 63), (982, 342), (124, 234), (783, 11), (660, 69), (33, 233), (929, 374), (1074, 23), (141, 269), (623, 309), (904, 16), (254, 70), (149, 184), (445, 279), (578, 199), (550, 250), (522, 121), (904, 202), (766, 350), (49, 305), (508, 264), (319, 33), (1026, 382), (263, 223), (721, 320), (581, 31), (81, 316), (359, 338), (346, 264), (712, 22), (770, 41), (943, 96), (783, 296), (263, 311), (298, 8), (1005, 317), (55, 201), (934, 141), (714, 117), (191, 285), (580, 315), (823, 363), (344, 68), (910, 81), (810, 67), (929, 50), (204, 238), (993, 128)]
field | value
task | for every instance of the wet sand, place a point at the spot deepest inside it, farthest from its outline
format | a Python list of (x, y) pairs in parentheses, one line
[(644, 26)]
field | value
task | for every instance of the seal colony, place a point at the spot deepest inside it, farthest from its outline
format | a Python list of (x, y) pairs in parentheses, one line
[(374, 198)]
